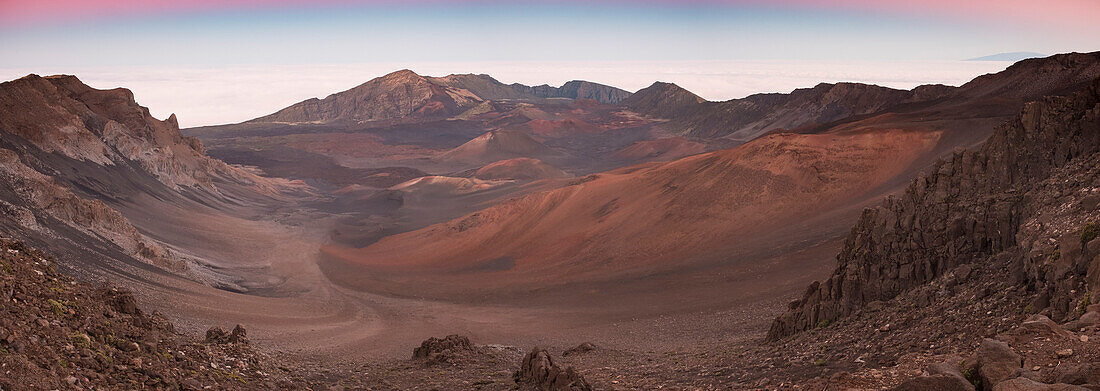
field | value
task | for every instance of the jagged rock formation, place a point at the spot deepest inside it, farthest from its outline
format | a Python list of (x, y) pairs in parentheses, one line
[(59, 114), (975, 205), (405, 94), (539, 371)]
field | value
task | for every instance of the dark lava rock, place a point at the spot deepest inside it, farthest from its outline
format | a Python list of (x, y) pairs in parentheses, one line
[(935, 383), (967, 209), (216, 335), (436, 350), (997, 362), (539, 370), (1025, 384), (238, 335)]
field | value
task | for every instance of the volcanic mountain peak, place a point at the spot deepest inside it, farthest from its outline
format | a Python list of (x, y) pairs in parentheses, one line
[(396, 95), (663, 100), (405, 94)]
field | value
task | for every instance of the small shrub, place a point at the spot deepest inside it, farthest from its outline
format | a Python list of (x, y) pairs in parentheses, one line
[(1055, 256), (81, 340), (57, 307), (1089, 232), (824, 323), (1084, 304), (820, 362)]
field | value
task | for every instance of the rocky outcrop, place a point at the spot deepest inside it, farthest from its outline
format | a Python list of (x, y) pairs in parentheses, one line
[(538, 370), (978, 204), (442, 350), (30, 198), (580, 89), (61, 115)]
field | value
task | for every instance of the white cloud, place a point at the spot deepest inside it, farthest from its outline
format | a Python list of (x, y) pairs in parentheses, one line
[(218, 95)]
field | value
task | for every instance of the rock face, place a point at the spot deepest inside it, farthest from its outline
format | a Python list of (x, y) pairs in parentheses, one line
[(539, 370), (67, 150), (977, 204), (61, 115)]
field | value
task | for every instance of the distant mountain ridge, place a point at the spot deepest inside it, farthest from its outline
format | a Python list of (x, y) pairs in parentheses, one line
[(404, 94), (488, 88), (752, 116)]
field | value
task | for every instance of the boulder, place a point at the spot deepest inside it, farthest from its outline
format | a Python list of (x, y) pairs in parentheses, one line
[(997, 363), (1025, 384), (539, 370), (1087, 373), (216, 335), (441, 350), (935, 383), (238, 335), (1042, 326)]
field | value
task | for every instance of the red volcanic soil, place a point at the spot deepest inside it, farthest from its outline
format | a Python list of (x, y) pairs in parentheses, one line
[(642, 219), (660, 149), (563, 128), (519, 169)]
